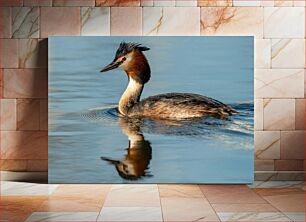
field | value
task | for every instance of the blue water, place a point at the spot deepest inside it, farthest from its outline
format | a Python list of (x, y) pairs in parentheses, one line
[(88, 139)]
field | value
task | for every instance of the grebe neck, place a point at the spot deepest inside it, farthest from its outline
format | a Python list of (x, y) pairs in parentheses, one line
[(131, 96)]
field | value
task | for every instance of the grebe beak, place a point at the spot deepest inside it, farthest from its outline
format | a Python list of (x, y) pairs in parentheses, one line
[(110, 161), (113, 65)]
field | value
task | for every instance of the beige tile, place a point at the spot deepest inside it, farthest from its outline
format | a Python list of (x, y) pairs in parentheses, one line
[(8, 53), (33, 53), (292, 144), (278, 22), (248, 3), (263, 207), (187, 209), (280, 3), (230, 194), (267, 144), (4, 3), (130, 214), (186, 3), (159, 21), (95, 21), (25, 83), (27, 114), (232, 21), (267, 3), (73, 2), (25, 22), (258, 114), (299, 3), (37, 2), (180, 190), (54, 21), (279, 83), (133, 196), (8, 114), (24, 144), (13, 165), (262, 53), (126, 21), (37, 165), (215, 3), (289, 165), (125, 3), (163, 3), (279, 114), (283, 50), (300, 114), (5, 22), (1, 83), (263, 165), (43, 114), (146, 2), (253, 216)]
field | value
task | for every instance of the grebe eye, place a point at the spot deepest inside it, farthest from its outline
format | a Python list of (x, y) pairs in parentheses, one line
[(123, 59)]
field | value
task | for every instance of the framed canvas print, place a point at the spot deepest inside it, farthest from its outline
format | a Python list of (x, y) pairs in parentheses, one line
[(151, 109)]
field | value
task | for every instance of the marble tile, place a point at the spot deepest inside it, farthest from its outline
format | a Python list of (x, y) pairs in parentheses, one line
[(9, 188), (258, 114), (212, 3), (186, 3), (277, 184), (187, 209), (263, 207), (5, 22), (146, 2), (27, 114), (279, 175), (262, 53), (284, 3), (267, 3), (124, 3), (54, 21), (133, 196), (33, 53), (230, 194), (130, 214), (5, 3), (299, 3), (295, 216), (300, 114), (13, 165), (180, 190), (73, 2), (18, 208), (25, 22), (289, 165), (37, 165), (232, 21), (283, 50), (63, 216), (95, 21), (43, 114), (260, 165), (284, 199), (24, 144), (71, 204), (279, 83), (292, 144), (37, 2), (267, 144), (253, 216), (159, 21), (1, 85), (8, 114), (279, 114), (126, 21), (278, 22), (25, 83), (8, 53), (248, 3), (163, 3)]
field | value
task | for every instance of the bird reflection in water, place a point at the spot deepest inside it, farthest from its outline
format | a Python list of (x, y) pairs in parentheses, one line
[(135, 164)]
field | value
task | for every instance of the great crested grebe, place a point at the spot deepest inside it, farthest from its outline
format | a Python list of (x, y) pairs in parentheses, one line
[(130, 58)]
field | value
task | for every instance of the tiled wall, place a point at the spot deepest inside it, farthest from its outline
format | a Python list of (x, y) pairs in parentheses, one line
[(278, 26)]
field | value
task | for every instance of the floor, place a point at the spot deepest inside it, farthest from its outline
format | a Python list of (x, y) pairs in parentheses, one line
[(261, 201)]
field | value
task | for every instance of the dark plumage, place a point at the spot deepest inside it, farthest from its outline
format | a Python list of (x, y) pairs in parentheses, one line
[(125, 48)]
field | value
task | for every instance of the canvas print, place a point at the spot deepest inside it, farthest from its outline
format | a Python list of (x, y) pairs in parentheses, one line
[(151, 109)]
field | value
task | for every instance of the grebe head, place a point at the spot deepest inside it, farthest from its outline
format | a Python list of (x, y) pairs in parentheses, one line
[(130, 58)]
